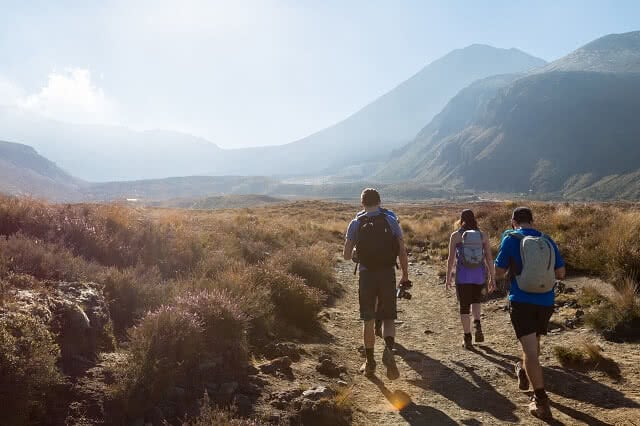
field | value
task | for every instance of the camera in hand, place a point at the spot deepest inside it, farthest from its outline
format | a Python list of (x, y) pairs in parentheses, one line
[(403, 290)]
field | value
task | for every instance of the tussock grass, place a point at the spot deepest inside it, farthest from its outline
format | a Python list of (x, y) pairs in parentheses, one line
[(586, 356), (618, 317)]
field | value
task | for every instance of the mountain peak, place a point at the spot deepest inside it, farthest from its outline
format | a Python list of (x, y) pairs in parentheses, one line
[(610, 53)]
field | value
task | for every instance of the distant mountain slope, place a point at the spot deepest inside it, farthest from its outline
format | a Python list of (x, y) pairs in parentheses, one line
[(396, 117), (611, 53), (553, 131), (107, 153), (24, 172)]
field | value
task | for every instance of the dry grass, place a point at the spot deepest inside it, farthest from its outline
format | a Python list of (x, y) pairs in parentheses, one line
[(586, 356), (618, 316), (161, 268)]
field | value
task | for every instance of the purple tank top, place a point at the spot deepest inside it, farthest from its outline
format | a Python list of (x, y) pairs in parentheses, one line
[(466, 275)]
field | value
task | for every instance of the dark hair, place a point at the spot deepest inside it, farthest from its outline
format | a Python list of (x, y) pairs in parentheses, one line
[(468, 220), (522, 215), (370, 197)]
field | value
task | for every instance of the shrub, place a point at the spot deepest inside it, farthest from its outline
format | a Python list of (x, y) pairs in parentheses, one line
[(172, 345), (28, 372), (313, 264), (131, 293), (44, 261), (165, 348), (293, 300), (237, 281), (586, 356)]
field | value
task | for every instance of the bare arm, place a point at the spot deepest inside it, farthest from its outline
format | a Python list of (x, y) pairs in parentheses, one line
[(500, 273), (488, 261), (404, 260), (348, 249), (561, 273), (451, 261)]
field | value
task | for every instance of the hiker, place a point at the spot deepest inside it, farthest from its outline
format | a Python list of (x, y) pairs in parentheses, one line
[(531, 297), (470, 253), (377, 239)]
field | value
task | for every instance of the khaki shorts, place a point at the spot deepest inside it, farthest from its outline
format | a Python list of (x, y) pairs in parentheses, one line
[(377, 294)]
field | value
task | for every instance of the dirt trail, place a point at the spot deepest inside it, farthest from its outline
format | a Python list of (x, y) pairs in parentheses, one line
[(446, 384)]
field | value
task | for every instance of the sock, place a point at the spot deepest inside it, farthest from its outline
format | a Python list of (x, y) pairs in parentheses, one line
[(369, 353), (476, 323), (540, 393), (389, 341), (467, 336)]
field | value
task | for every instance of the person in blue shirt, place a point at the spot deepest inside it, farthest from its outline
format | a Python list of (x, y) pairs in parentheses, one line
[(530, 312), (377, 238)]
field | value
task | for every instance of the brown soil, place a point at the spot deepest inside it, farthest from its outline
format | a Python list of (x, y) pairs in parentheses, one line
[(442, 383)]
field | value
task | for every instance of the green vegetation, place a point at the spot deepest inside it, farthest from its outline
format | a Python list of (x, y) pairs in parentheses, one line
[(28, 371)]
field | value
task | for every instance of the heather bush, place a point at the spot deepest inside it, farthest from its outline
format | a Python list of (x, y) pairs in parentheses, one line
[(44, 261), (131, 293), (165, 349), (201, 337), (29, 376), (294, 302)]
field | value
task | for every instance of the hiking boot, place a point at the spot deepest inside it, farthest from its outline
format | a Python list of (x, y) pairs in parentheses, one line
[(521, 374), (467, 344), (368, 368), (540, 408), (390, 362), (479, 337)]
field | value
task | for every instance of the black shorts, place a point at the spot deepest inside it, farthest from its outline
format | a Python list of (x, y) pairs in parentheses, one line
[(377, 294), (528, 318), (467, 295)]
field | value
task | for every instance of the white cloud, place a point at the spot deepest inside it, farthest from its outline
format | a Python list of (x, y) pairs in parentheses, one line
[(71, 96), (10, 92)]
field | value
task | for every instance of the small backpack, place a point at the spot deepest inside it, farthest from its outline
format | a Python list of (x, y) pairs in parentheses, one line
[(376, 245), (538, 264), (472, 250)]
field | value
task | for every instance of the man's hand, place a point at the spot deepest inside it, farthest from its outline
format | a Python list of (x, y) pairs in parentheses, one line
[(492, 285)]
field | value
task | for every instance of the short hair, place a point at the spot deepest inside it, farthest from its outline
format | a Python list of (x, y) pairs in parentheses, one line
[(522, 215), (370, 197)]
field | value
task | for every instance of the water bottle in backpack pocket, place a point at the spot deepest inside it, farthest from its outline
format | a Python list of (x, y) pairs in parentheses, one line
[(538, 264)]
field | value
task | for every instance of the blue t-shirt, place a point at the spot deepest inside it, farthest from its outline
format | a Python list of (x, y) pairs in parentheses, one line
[(352, 230), (509, 254)]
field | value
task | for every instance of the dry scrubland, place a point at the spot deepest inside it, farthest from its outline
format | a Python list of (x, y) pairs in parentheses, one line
[(190, 298)]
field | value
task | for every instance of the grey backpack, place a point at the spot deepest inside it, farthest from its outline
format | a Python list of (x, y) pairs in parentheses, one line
[(538, 263), (472, 248)]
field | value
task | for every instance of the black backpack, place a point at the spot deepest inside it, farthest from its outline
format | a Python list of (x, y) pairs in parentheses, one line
[(376, 245)]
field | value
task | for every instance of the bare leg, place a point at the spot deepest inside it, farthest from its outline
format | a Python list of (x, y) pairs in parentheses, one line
[(530, 352), (466, 323), (369, 334), (389, 328), (476, 310)]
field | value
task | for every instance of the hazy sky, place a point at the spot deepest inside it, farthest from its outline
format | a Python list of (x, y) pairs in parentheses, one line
[(258, 72)]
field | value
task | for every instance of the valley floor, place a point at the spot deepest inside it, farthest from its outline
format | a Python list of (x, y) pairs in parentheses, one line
[(442, 383)]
